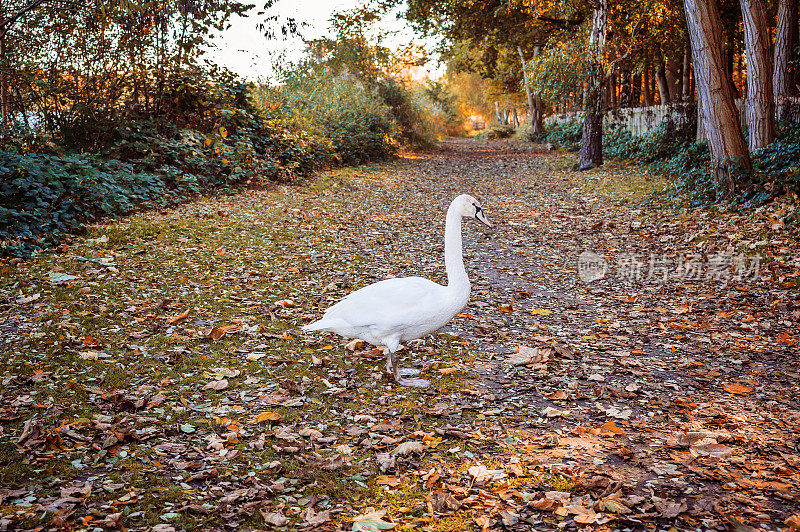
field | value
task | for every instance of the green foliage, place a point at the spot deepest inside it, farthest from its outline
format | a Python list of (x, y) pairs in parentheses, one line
[(222, 136), (565, 135), (494, 133), (559, 74), (341, 122)]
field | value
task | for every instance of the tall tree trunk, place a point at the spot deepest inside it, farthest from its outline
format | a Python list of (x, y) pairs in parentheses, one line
[(497, 113), (687, 68), (729, 153), (4, 73), (786, 41), (760, 103), (591, 154), (636, 90), (648, 97), (661, 79), (674, 79), (626, 86), (534, 103)]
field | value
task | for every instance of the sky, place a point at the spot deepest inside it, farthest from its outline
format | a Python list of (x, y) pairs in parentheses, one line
[(244, 50)]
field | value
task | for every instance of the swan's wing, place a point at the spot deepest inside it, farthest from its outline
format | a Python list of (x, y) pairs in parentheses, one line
[(388, 304)]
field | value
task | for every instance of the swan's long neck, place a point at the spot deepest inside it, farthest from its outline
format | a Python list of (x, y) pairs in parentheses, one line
[(453, 259)]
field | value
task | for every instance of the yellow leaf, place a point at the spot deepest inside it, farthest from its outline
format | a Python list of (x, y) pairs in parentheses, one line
[(540, 312), (223, 131)]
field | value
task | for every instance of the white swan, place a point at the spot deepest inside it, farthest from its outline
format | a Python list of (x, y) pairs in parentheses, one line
[(398, 310)]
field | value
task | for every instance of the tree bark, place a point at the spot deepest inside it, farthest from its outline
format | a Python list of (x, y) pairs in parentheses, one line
[(760, 103), (4, 82), (497, 113), (626, 87), (636, 90), (687, 89), (674, 79), (729, 155), (661, 79), (591, 154), (648, 97), (701, 125), (786, 41)]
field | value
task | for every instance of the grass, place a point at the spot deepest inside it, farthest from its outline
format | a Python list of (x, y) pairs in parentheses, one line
[(104, 341)]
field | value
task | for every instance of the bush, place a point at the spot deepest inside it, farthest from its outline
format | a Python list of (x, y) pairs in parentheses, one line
[(43, 194), (495, 133), (565, 135), (672, 150)]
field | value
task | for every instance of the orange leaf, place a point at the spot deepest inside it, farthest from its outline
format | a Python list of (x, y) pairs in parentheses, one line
[(89, 340), (612, 427), (737, 388), (183, 316), (267, 416)]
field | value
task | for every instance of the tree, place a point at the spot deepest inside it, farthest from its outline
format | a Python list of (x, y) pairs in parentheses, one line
[(534, 102), (760, 102), (723, 131), (591, 153), (786, 42)]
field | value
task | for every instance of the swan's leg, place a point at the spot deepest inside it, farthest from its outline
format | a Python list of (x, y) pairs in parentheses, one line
[(390, 364), (398, 375)]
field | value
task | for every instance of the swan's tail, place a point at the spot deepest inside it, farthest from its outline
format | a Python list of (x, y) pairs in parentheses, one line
[(325, 324), (314, 326)]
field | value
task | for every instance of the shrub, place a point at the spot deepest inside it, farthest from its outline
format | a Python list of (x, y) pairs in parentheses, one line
[(673, 151), (495, 133), (565, 135)]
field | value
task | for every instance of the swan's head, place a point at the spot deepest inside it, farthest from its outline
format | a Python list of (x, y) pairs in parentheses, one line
[(469, 207)]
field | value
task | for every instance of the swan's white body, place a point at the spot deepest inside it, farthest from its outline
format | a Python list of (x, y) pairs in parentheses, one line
[(390, 312)]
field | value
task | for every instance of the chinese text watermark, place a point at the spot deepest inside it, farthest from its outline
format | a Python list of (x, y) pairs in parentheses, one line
[(656, 268)]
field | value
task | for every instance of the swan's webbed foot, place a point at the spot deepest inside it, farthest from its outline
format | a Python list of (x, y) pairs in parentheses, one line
[(399, 374), (416, 383)]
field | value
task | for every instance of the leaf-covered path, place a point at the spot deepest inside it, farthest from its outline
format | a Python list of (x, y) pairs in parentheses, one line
[(154, 375)]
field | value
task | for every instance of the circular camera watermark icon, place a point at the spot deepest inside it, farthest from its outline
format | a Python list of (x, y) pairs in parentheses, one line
[(591, 267)]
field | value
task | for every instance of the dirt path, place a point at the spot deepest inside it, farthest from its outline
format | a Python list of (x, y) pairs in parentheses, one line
[(156, 375)]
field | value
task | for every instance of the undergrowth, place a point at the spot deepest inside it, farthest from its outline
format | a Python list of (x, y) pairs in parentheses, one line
[(672, 151)]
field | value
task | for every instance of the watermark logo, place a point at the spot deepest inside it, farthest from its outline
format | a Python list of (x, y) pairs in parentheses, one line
[(655, 268), (591, 267)]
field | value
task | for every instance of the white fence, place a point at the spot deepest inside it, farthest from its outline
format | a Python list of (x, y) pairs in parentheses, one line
[(640, 120)]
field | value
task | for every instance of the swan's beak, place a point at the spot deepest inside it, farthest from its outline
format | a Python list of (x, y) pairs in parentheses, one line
[(482, 218)]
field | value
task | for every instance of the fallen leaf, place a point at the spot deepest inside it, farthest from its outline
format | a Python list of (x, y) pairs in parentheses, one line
[(316, 519), (737, 388), (267, 416), (216, 385), (528, 355), (179, 318), (274, 518), (409, 447), (371, 522)]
